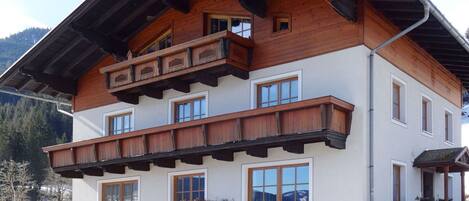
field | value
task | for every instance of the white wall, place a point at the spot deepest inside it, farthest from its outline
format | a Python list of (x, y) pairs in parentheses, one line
[(338, 174)]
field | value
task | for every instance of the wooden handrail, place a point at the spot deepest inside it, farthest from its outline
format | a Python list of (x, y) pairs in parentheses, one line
[(338, 104)]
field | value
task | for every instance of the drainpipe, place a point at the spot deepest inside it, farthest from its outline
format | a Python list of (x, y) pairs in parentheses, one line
[(426, 6), (56, 102)]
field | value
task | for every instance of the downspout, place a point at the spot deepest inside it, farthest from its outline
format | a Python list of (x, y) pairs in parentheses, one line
[(56, 102), (427, 8)]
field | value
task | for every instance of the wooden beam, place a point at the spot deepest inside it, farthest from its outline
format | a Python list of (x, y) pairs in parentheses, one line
[(241, 74), (179, 85), (225, 155), (260, 152), (94, 171), (106, 43), (345, 8), (64, 51), (183, 6), (72, 174), (207, 79), (139, 166), (446, 171), (76, 61), (65, 85), (193, 160), (165, 163), (151, 92), (296, 148), (256, 7), (463, 186), (127, 97), (114, 169)]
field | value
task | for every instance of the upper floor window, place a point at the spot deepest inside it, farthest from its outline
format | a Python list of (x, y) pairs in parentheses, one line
[(279, 183), (189, 187), (120, 123), (277, 92), (426, 115), (191, 109), (165, 40), (120, 191), (448, 126), (281, 23), (239, 25), (398, 101)]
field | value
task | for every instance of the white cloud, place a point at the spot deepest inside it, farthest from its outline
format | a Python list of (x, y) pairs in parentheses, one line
[(13, 19)]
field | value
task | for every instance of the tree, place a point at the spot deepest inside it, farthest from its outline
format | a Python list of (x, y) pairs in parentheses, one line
[(56, 188), (15, 181)]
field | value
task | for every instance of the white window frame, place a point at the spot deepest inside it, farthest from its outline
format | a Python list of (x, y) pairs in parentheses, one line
[(403, 176), (122, 179), (246, 167), (105, 130), (172, 101), (256, 82), (403, 101), (430, 115), (171, 176), (451, 127)]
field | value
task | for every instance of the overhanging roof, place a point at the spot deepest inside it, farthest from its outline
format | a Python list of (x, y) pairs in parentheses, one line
[(457, 159), (101, 27), (437, 36), (95, 29)]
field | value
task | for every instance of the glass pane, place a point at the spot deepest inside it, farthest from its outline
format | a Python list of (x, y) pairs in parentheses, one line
[(196, 108), (302, 175), (187, 183), (302, 193), (202, 195), (179, 184), (130, 192), (187, 196), (214, 25), (288, 175), (257, 194), (285, 90), (195, 183), (264, 94), (270, 193), (294, 89), (187, 112), (202, 182), (179, 196), (127, 121), (246, 34), (288, 193), (270, 177), (273, 93), (283, 26), (236, 26), (203, 110), (223, 25), (257, 178), (246, 24), (195, 196)]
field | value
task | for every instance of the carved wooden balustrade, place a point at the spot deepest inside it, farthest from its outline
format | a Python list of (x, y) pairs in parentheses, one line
[(201, 60), (326, 119)]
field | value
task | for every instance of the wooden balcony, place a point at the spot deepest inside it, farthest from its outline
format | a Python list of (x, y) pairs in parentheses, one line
[(326, 119), (202, 60)]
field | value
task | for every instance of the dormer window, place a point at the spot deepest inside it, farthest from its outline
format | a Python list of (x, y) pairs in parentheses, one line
[(164, 41), (239, 25)]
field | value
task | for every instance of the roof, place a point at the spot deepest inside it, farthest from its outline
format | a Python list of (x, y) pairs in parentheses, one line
[(98, 28), (456, 158), (95, 29)]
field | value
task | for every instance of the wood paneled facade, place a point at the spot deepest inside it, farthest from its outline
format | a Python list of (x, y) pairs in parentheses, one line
[(325, 119)]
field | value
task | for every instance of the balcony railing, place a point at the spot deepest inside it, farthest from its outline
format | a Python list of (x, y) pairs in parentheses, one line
[(325, 119), (201, 60)]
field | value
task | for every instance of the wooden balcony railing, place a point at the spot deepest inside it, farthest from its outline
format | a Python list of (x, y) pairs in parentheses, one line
[(201, 60), (325, 119)]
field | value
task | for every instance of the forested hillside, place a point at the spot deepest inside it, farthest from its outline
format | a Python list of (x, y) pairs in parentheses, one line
[(27, 125)]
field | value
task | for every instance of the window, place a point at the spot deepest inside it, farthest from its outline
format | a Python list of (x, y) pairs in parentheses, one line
[(398, 189), (236, 24), (164, 41), (279, 183), (426, 115), (120, 191), (120, 123), (277, 92), (189, 187), (281, 23), (450, 188), (191, 109), (398, 101), (448, 126)]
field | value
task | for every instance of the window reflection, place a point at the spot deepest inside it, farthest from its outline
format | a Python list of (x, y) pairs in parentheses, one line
[(278, 92)]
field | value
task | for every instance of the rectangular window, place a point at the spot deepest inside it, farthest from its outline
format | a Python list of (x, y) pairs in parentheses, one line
[(426, 115), (277, 92), (189, 110), (398, 183), (281, 23), (163, 41), (398, 101), (448, 126), (120, 123), (189, 187), (120, 191), (239, 25), (450, 188), (279, 183)]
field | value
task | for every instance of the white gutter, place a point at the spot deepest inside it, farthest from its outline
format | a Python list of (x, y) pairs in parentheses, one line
[(427, 9)]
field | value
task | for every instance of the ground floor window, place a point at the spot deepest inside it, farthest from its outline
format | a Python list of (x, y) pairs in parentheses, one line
[(398, 182), (279, 183), (120, 191)]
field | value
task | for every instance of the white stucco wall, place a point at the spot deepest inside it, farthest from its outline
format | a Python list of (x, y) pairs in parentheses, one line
[(337, 174)]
